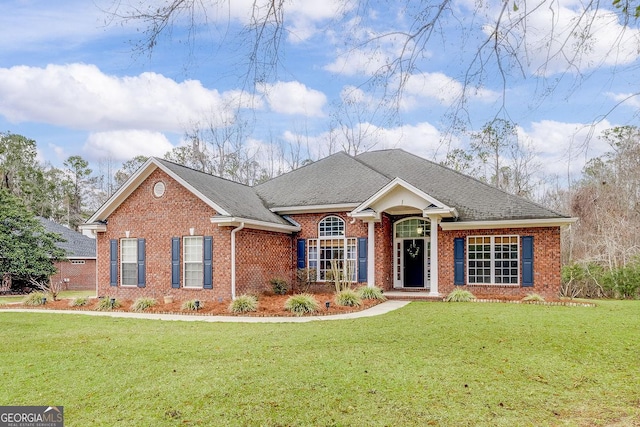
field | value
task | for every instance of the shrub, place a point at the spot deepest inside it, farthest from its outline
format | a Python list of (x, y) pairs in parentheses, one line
[(341, 274), (191, 305), (459, 295), (373, 292), (106, 305), (304, 278), (279, 286), (35, 298), (301, 304), (244, 304), (622, 282), (348, 298), (79, 302), (141, 304), (533, 297)]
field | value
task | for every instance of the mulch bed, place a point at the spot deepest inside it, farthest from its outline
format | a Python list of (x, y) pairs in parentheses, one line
[(268, 305)]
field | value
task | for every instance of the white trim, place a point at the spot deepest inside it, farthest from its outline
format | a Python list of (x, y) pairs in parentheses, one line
[(232, 221), (492, 260), (94, 227), (138, 178), (433, 255), (518, 223), (233, 260), (185, 262), (399, 262), (341, 207), (371, 254), (399, 182)]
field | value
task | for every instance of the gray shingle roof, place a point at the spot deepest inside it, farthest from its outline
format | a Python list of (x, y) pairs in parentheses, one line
[(237, 199), (336, 179), (474, 200), (77, 245)]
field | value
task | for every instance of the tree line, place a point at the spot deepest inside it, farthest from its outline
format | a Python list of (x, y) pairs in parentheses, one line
[(600, 252)]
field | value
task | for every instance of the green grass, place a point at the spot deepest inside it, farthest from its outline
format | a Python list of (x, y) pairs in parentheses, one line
[(465, 364), (62, 295)]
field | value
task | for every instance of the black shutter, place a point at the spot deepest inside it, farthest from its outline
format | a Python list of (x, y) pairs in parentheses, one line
[(175, 262), (301, 253), (458, 261), (208, 262), (527, 261), (113, 262), (142, 270), (362, 259)]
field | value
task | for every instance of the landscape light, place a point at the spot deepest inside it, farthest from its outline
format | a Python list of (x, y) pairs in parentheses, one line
[(113, 302), (327, 304), (197, 304)]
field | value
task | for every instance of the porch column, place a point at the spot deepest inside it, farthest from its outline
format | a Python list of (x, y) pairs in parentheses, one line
[(371, 256), (434, 255)]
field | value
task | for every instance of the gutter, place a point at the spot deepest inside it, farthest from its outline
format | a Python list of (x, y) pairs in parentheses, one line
[(233, 260)]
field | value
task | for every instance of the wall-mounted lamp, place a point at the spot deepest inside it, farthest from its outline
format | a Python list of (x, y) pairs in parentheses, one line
[(126, 234), (192, 231)]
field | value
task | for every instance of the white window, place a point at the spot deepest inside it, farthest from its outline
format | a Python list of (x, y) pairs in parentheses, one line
[(493, 260), (129, 262), (332, 250), (193, 263)]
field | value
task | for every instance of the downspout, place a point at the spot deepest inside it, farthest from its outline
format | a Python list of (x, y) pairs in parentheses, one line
[(233, 260)]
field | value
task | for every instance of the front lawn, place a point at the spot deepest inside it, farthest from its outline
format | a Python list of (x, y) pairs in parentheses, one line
[(443, 364), (8, 299)]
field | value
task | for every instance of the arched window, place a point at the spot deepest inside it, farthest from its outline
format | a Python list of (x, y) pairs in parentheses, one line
[(332, 252)]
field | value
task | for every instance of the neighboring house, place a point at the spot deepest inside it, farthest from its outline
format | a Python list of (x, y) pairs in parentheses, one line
[(79, 271), (399, 221)]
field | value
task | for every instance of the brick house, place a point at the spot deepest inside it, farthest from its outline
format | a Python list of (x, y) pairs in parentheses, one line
[(397, 221), (78, 272)]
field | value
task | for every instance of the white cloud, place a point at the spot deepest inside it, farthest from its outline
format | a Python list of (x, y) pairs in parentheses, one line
[(630, 100), (123, 145), (294, 98), (556, 29), (439, 87), (564, 148), (80, 96)]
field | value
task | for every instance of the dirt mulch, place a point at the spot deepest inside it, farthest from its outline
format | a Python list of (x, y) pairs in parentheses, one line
[(268, 305)]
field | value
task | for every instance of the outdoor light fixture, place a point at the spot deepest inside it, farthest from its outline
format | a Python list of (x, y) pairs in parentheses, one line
[(44, 300), (327, 304), (419, 230), (113, 302), (197, 304)]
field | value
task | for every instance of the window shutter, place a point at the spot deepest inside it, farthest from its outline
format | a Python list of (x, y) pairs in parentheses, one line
[(301, 253), (362, 259), (458, 261), (142, 270), (113, 262), (175, 262), (208, 262), (527, 261)]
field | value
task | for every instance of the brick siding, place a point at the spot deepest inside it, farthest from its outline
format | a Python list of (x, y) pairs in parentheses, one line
[(76, 277)]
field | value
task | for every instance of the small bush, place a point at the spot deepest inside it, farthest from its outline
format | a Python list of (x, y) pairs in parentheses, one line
[(348, 298), (79, 302), (35, 298), (191, 305), (279, 286), (243, 304), (374, 292), (533, 297), (301, 304), (105, 304), (141, 304), (459, 295)]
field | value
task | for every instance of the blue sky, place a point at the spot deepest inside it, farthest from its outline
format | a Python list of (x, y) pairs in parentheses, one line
[(70, 81)]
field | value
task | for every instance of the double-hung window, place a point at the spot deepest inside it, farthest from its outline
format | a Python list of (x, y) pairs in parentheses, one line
[(493, 260), (129, 262), (332, 250), (193, 262)]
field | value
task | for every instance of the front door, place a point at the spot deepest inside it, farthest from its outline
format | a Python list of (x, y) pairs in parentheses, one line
[(413, 251)]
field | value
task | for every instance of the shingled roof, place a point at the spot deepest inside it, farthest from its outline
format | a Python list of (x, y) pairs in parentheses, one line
[(236, 199), (473, 199), (76, 245)]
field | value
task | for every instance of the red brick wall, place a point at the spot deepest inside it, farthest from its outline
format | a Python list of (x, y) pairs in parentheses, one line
[(546, 261), (158, 220), (76, 277), (260, 257)]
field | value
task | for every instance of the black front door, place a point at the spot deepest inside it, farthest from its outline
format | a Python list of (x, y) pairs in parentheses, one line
[(413, 252)]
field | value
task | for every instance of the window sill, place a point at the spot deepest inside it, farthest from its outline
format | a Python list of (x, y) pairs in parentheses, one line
[(495, 285)]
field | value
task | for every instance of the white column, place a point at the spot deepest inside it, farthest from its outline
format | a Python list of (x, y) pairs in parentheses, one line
[(434, 255), (371, 255)]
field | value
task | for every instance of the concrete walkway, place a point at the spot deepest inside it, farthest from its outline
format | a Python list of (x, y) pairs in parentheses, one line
[(376, 310)]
